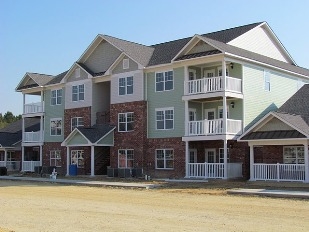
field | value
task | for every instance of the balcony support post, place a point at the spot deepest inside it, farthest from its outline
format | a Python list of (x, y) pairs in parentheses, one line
[(186, 77), (251, 162), (187, 159), (22, 157), (225, 159), (68, 160), (186, 118), (306, 156), (5, 157), (92, 161), (24, 102), (41, 155)]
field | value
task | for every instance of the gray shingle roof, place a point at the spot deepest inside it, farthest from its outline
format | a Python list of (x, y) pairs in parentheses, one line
[(96, 132), (283, 134), (40, 79), (140, 53), (199, 54), (57, 79), (8, 139)]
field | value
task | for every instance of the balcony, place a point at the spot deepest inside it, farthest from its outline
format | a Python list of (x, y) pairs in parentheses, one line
[(33, 137), (214, 127), (34, 108), (213, 85)]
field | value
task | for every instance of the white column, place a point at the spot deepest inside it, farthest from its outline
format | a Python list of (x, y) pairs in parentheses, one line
[(41, 129), (187, 159), (22, 157), (186, 118), (224, 116), (92, 161), (24, 102), (68, 160), (224, 73), (186, 77), (41, 155), (225, 158), (306, 162), (251, 162)]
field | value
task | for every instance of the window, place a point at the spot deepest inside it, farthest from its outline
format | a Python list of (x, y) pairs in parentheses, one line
[(125, 85), (56, 97), (220, 111), (266, 80), (293, 155), (76, 122), (77, 73), (164, 159), (77, 158), (221, 155), (55, 126), (125, 158), (125, 63), (165, 119), (164, 81), (55, 158), (78, 92), (220, 72), (192, 114), (209, 73), (125, 121)]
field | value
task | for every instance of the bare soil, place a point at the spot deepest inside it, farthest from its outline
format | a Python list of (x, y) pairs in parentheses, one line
[(32, 206)]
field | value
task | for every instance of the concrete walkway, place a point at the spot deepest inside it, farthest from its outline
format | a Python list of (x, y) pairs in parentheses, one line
[(271, 193), (81, 182)]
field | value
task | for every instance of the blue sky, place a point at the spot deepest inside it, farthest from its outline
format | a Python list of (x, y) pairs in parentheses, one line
[(48, 36)]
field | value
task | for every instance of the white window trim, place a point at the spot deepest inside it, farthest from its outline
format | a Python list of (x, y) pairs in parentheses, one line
[(228, 155), (227, 110), (125, 63), (126, 153), (195, 154), (206, 154), (50, 158), (194, 112), (53, 119), (164, 90), (126, 85), (81, 151), (78, 100), (164, 109), (126, 113), (194, 74), (205, 71), (165, 149), (51, 97), (78, 125), (297, 156), (219, 68)]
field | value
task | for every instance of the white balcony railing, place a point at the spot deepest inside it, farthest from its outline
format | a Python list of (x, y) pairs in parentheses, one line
[(10, 165), (213, 84), (28, 166), (30, 137), (32, 108), (214, 170), (214, 127), (279, 172)]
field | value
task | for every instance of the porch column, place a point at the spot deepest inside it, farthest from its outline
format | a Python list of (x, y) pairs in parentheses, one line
[(186, 118), (24, 102), (41, 129), (92, 160), (251, 163), (306, 162), (186, 77), (41, 155), (5, 157), (225, 159), (68, 161), (22, 157), (187, 159), (223, 74)]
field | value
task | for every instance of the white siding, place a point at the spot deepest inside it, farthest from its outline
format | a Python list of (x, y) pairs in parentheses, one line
[(274, 125), (138, 83), (258, 41), (69, 104), (72, 77)]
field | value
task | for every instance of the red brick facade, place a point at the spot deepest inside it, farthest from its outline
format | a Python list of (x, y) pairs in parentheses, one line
[(84, 112), (54, 146)]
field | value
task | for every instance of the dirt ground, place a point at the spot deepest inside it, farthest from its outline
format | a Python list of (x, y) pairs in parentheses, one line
[(29, 206)]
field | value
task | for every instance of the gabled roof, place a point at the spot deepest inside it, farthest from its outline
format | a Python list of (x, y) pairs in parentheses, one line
[(8, 139), (294, 112), (57, 79), (39, 79)]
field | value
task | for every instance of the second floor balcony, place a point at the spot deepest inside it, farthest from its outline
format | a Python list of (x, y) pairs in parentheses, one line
[(34, 108), (33, 137), (212, 85)]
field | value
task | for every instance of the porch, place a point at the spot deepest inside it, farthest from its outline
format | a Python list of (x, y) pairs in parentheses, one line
[(33, 137), (11, 165), (34, 107), (214, 170)]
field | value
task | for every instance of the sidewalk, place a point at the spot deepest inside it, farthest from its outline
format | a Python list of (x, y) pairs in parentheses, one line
[(81, 182), (271, 193)]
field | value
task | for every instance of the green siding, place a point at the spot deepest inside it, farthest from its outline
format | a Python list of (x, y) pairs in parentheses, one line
[(56, 111), (257, 101), (164, 99), (198, 107), (78, 139), (109, 139)]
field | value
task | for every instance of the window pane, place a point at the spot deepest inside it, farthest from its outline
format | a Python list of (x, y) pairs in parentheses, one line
[(169, 124), (169, 164), (169, 85), (130, 89), (159, 86), (122, 90), (160, 124), (122, 126), (130, 126), (160, 163)]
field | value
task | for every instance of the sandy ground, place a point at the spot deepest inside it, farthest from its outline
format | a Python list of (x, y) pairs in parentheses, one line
[(52, 207)]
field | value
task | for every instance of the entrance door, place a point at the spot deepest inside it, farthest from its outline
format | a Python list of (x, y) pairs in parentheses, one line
[(193, 156), (210, 155), (209, 126)]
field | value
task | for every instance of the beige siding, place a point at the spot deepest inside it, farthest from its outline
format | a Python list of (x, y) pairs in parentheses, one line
[(102, 57), (69, 104), (274, 125), (257, 101), (201, 47), (119, 67), (100, 99), (257, 40), (138, 83), (73, 77)]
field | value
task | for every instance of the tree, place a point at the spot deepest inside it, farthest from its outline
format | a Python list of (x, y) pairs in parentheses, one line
[(8, 118)]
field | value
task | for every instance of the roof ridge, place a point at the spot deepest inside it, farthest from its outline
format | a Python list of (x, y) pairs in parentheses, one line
[(40, 74)]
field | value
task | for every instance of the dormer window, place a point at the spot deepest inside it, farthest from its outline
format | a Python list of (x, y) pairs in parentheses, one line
[(125, 63)]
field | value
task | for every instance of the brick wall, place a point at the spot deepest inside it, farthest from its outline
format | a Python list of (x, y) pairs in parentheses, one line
[(135, 139), (53, 146), (84, 112)]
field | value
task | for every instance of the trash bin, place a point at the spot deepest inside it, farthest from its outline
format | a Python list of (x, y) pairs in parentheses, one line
[(3, 171), (73, 170)]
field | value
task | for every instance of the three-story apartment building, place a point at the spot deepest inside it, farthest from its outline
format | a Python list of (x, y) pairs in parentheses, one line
[(173, 109)]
